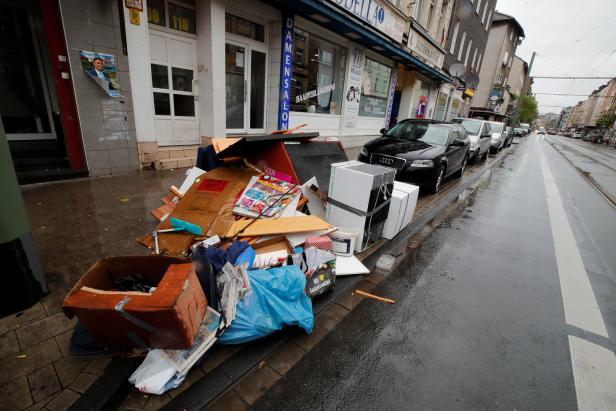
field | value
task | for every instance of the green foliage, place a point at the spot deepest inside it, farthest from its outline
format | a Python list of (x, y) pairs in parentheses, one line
[(528, 109), (608, 117)]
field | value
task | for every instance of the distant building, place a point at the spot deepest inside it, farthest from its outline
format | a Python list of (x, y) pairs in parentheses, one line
[(604, 99), (563, 118), (547, 120), (465, 47), (515, 84), (493, 94)]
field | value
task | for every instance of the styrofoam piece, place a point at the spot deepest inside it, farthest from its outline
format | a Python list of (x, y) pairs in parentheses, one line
[(315, 204), (385, 262), (191, 175), (349, 266)]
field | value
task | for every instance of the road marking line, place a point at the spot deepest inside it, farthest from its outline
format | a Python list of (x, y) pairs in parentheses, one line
[(593, 366), (581, 308), (593, 373)]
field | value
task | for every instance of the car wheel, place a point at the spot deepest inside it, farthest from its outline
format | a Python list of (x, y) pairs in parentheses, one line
[(436, 184), (485, 156), (460, 172)]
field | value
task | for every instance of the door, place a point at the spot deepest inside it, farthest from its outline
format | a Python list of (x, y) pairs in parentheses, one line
[(245, 86), (174, 84), (454, 153)]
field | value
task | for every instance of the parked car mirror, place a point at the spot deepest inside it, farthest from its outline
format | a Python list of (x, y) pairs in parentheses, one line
[(457, 143), (383, 131)]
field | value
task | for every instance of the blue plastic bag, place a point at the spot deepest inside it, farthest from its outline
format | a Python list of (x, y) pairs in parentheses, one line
[(276, 300)]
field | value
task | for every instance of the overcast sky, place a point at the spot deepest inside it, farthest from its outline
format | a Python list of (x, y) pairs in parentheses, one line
[(571, 38)]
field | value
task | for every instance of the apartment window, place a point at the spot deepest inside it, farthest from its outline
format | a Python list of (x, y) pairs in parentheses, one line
[(485, 13), (468, 51), (478, 7), (430, 16), (375, 89), (461, 50), (454, 38), (506, 59), (511, 35), (177, 15), (488, 20), (474, 63), (419, 10), (479, 62)]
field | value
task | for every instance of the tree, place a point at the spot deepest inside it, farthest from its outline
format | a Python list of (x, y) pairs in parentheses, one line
[(608, 117), (528, 109)]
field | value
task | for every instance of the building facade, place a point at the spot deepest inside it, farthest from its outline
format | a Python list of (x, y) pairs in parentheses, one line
[(515, 84), (493, 93), (465, 50), (122, 88), (563, 118)]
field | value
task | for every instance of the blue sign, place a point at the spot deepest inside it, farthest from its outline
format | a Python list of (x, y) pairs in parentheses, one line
[(286, 69)]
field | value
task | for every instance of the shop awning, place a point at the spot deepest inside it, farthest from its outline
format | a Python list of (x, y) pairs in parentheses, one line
[(346, 25)]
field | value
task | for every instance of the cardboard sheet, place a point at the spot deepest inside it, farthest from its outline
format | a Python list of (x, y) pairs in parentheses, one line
[(350, 266), (283, 225)]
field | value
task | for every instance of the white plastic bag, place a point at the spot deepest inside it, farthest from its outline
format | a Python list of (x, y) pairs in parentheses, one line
[(156, 374)]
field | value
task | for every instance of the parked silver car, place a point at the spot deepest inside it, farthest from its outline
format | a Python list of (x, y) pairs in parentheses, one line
[(498, 136), (480, 134)]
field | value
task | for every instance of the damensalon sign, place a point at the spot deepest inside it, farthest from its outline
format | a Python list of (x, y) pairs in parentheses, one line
[(378, 14)]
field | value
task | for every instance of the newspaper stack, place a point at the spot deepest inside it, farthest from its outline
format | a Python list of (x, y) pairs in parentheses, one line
[(233, 283), (183, 360)]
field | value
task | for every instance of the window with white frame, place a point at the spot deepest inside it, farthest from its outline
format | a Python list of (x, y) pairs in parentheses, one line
[(511, 34), (485, 13), (488, 20), (474, 63), (461, 50), (478, 7), (479, 62), (175, 14), (468, 52), (454, 38)]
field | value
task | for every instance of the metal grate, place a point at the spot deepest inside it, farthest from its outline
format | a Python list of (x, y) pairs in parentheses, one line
[(387, 161)]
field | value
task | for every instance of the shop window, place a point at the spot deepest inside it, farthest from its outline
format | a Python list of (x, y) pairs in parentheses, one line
[(162, 106), (177, 14), (318, 74), (375, 89), (243, 27)]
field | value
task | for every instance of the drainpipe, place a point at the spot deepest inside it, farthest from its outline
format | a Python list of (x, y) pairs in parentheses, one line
[(22, 284)]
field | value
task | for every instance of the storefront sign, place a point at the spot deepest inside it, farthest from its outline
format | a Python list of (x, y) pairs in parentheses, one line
[(285, 73), (313, 93), (353, 91), (102, 69), (390, 97), (377, 13), (422, 47)]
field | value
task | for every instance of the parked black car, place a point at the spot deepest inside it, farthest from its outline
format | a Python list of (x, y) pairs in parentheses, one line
[(424, 152)]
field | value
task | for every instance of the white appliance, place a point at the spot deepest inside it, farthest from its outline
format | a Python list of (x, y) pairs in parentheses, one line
[(359, 196), (401, 208)]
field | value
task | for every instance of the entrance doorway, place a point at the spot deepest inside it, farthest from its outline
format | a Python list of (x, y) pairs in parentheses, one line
[(30, 106), (174, 83), (245, 75)]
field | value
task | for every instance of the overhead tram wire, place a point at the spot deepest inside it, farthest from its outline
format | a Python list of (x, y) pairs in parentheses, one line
[(574, 77)]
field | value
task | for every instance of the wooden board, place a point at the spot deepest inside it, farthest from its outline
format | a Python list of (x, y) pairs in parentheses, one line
[(283, 225)]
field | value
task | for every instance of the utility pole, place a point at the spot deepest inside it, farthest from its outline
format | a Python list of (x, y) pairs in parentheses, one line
[(516, 116)]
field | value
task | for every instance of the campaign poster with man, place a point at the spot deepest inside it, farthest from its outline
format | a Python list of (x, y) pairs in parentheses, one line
[(102, 69)]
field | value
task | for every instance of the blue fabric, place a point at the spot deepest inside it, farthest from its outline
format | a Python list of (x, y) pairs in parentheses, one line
[(276, 300), (247, 256), (219, 257)]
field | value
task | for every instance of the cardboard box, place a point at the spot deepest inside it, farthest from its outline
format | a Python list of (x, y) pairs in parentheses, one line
[(401, 209), (359, 196), (169, 317)]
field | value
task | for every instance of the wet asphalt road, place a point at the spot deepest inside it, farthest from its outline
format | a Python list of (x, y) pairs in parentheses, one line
[(490, 312)]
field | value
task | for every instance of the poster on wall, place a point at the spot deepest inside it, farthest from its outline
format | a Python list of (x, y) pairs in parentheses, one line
[(102, 69), (353, 91)]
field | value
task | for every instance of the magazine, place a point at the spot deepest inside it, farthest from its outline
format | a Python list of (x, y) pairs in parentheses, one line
[(262, 192)]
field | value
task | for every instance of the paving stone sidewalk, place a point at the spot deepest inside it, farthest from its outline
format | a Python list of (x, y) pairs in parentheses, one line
[(74, 223)]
